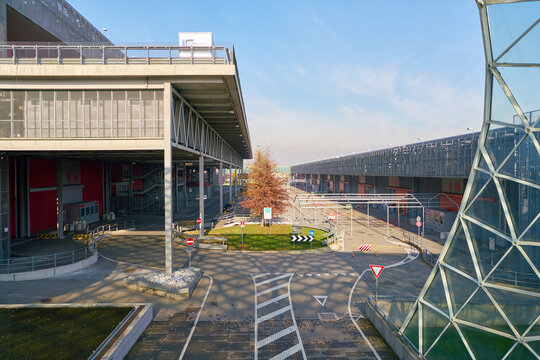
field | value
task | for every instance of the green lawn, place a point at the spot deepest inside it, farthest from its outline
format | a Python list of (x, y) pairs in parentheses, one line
[(56, 333), (257, 238)]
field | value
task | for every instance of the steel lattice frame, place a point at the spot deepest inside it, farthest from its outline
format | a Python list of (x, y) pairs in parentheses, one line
[(470, 307)]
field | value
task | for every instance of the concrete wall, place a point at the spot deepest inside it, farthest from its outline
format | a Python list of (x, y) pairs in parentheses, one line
[(392, 338)]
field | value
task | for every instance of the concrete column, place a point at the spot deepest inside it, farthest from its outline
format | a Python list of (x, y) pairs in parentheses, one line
[(235, 182), (176, 189), (230, 184), (130, 187), (107, 188), (59, 202), (220, 179), (167, 177), (201, 194)]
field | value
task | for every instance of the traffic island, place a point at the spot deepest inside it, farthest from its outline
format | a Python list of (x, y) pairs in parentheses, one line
[(179, 285)]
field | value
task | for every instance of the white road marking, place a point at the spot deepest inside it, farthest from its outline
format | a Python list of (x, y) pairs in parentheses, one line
[(273, 314), (197, 318), (282, 311), (275, 336), (327, 274), (402, 262), (309, 275), (277, 287), (272, 279), (321, 299), (292, 350), (271, 301)]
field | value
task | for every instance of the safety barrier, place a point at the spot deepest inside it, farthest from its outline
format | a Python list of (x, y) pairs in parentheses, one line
[(51, 261), (47, 236), (377, 249)]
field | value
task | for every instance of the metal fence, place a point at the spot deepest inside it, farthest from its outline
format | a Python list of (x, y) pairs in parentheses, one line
[(114, 55), (51, 261)]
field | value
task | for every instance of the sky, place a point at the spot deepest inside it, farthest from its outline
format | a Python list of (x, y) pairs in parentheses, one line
[(328, 78)]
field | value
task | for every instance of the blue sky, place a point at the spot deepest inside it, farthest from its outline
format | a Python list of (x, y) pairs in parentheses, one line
[(322, 78)]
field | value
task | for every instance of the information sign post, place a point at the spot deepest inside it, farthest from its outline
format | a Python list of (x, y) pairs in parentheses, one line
[(377, 270), (189, 248), (242, 224)]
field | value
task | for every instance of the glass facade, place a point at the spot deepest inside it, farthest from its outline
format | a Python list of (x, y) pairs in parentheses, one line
[(4, 207), (81, 114), (482, 300)]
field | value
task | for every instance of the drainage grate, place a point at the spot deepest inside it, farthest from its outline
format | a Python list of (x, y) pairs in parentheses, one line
[(327, 316)]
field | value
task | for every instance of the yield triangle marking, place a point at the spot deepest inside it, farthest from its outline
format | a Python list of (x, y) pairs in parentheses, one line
[(377, 270), (321, 299)]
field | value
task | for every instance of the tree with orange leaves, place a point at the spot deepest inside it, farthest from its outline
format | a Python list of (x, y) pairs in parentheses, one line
[(264, 186)]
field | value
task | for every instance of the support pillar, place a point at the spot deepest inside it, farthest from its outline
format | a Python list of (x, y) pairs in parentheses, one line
[(235, 182), (201, 194), (59, 202), (130, 188), (220, 179), (167, 177), (107, 188), (230, 184)]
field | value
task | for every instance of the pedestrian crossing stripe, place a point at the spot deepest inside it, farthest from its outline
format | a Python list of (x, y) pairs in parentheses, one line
[(301, 238)]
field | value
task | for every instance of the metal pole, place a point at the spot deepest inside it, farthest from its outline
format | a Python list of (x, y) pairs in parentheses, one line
[(167, 178), (190, 259), (368, 214), (351, 222), (242, 238), (387, 221), (221, 187), (423, 218), (376, 290), (398, 224), (201, 194)]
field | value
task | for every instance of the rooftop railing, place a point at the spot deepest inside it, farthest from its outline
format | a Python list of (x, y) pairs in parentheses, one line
[(113, 55)]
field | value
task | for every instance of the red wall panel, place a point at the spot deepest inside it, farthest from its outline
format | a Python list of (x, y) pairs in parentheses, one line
[(92, 179), (42, 211), (42, 173), (12, 218), (449, 205)]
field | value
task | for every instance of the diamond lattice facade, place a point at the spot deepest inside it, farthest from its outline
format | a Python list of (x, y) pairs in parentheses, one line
[(482, 299)]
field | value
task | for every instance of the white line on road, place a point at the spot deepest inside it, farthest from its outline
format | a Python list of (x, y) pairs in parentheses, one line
[(197, 318), (271, 301), (272, 279), (292, 350), (275, 336), (273, 314), (271, 289), (399, 263)]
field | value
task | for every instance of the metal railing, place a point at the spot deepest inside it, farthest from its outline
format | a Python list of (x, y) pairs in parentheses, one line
[(417, 242), (391, 324), (51, 261), (114, 55)]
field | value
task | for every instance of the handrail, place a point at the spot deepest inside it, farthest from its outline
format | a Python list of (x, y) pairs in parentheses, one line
[(109, 54), (52, 261)]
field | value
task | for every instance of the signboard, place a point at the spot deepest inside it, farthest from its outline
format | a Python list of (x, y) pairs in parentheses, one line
[(418, 218), (377, 270), (201, 40), (189, 242), (348, 206), (71, 171), (393, 181), (267, 213), (491, 243), (242, 223), (199, 221), (452, 185), (419, 223), (331, 217), (311, 233)]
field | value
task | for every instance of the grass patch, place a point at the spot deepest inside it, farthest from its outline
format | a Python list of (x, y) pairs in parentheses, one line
[(56, 333), (258, 238)]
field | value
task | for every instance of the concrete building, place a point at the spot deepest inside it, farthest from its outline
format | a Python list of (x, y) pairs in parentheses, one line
[(84, 123)]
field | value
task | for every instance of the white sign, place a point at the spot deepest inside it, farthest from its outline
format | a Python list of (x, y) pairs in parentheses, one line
[(376, 269), (321, 299), (268, 213), (491, 243), (418, 218), (200, 42)]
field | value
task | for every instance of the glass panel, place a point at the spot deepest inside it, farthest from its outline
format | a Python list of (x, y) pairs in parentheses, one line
[(76, 114), (433, 324), (134, 113), (460, 289), (516, 272), (482, 163), (33, 110), (149, 113), (535, 345), (508, 21), (481, 311), (62, 114), (523, 202), (481, 240), (411, 331), (435, 294), (519, 308), (501, 107), (480, 179), (524, 83), (90, 114), (47, 114), (487, 209), (448, 347), (535, 331), (458, 254), (119, 114), (524, 163), (485, 345), (520, 352), (500, 142)]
